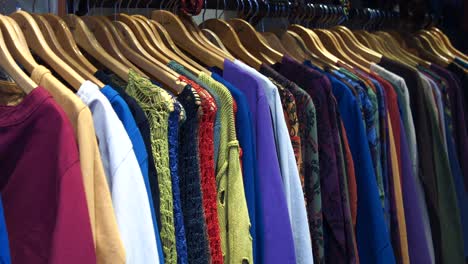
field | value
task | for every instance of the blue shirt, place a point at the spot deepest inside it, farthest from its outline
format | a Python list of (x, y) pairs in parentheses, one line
[(372, 236), (244, 129), (125, 115), (275, 243), (4, 245)]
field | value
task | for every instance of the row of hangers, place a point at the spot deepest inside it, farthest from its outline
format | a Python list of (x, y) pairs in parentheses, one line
[(121, 42)]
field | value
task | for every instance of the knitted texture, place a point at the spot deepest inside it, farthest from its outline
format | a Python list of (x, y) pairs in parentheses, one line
[(207, 169), (217, 125), (232, 206), (173, 137), (157, 105), (190, 184)]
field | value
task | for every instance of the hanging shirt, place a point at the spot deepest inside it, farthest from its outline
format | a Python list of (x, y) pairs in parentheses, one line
[(306, 113), (232, 206), (143, 126), (124, 177), (403, 97), (4, 244), (445, 222), (123, 112), (370, 238), (335, 218), (190, 184), (245, 134), (41, 174), (208, 179), (451, 243), (175, 118), (275, 240), (109, 246), (460, 131), (289, 172)]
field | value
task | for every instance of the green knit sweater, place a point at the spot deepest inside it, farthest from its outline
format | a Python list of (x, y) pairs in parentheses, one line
[(233, 216), (157, 105)]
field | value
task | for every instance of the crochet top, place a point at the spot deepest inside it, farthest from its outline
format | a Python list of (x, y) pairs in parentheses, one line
[(232, 205), (173, 137), (217, 124), (207, 169), (157, 105), (190, 183)]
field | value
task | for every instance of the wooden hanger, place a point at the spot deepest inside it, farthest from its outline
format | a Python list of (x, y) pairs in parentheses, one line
[(86, 40), (353, 44), (65, 37), (156, 41), (171, 48), (133, 50), (370, 41), (428, 45), (106, 40), (17, 46), (39, 45), (292, 46), (184, 40), (249, 38), (449, 45), (393, 42), (57, 48), (312, 43), (155, 68), (389, 49), (229, 37), (213, 38), (273, 41), (333, 45), (351, 53), (195, 31), (128, 43), (439, 46), (147, 49), (414, 46), (168, 46), (296, 40), (9, 65)]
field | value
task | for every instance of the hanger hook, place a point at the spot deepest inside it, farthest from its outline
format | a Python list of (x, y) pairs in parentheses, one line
[(115, 9), (255, 12), (128, 6), (222, 11), (101, 8), (94, 7), (205, 3)]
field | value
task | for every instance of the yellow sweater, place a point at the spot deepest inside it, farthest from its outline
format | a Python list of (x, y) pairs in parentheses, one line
[(233, 216), (109, 246)]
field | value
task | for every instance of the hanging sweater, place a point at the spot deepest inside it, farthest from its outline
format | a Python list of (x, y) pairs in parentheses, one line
[(207, 169), (190, 183), (232, 206), (181, 243), (157, 105)]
